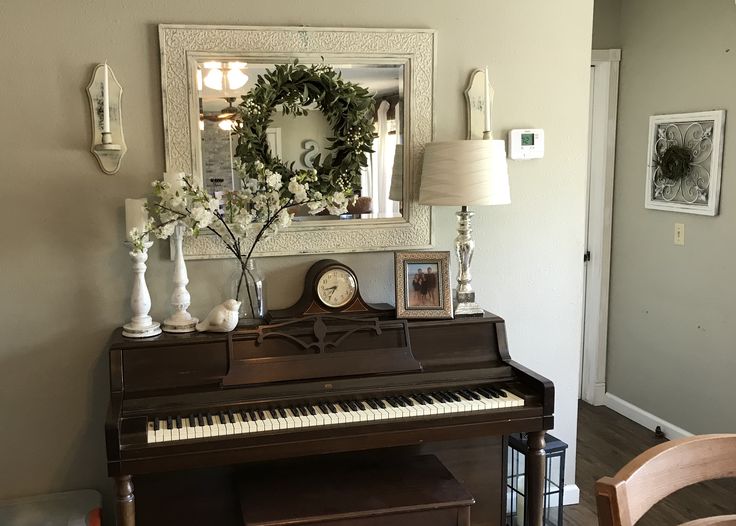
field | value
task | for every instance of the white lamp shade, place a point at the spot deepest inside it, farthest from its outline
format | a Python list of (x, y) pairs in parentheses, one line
[(465, 173)]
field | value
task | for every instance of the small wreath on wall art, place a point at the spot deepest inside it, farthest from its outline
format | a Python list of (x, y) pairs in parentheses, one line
[(684, 166), (348, 108)]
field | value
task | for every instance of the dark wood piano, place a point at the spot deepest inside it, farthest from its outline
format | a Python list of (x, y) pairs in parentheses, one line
[(191, 407)]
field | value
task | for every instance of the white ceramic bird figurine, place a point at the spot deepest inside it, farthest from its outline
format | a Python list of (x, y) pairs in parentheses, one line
[(222, 318)]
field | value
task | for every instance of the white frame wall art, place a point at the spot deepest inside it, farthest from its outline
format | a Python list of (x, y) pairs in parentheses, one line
[(698, 190)]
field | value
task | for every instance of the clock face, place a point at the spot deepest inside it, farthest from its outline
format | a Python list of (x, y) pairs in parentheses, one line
[(336, 287)]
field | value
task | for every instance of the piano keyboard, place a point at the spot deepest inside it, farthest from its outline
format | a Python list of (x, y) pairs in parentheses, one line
[(252, 421)]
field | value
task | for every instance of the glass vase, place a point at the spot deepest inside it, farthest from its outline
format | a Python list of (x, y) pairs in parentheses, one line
[(246, 286)]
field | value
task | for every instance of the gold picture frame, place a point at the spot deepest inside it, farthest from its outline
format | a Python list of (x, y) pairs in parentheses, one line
[(423, 285)]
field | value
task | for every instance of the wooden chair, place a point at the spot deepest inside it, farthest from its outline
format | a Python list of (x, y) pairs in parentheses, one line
[(662, 470)]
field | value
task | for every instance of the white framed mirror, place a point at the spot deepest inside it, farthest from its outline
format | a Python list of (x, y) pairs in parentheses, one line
[(206, 69)]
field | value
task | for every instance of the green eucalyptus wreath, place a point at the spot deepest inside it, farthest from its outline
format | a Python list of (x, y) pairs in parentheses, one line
[(347, 107)]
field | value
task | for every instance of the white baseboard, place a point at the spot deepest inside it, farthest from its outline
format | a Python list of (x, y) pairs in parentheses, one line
[(571, 495), (644, 418)]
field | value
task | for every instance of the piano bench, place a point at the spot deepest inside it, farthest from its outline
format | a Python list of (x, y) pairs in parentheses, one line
[(363, 490)]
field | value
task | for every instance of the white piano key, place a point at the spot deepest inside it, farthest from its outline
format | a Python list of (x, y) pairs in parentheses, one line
[(150, 433), (238, 424), (270, 422), (303, 420), (198, 429), (167, 432), (261, 424), (189, 429)]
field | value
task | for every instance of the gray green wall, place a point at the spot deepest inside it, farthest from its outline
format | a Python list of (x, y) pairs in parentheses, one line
[(65, 275), (607, 24), (672, 336)]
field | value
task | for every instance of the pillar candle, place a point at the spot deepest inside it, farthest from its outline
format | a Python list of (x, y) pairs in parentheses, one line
[(487, 101), (136, 216), (105, 102)]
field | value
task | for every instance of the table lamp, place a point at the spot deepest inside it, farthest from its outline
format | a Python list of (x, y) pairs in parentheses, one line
[(465, 173)]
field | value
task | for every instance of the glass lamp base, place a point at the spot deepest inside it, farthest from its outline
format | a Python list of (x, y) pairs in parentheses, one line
[(466, 306)]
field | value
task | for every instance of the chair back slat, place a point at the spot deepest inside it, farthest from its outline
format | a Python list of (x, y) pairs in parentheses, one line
[(659, 472)]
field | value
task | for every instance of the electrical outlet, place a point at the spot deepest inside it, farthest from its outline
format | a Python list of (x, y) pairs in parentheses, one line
[(680, 234)]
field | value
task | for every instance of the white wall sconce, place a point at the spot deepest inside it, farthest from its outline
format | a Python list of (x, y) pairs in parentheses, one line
[(105, 102)]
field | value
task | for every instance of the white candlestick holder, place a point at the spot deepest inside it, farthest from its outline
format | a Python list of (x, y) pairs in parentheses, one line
[(108, 146), (141, 325), (181, 320)]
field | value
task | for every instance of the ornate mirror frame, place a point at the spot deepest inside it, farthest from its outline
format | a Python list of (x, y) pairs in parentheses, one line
[(182, 45)]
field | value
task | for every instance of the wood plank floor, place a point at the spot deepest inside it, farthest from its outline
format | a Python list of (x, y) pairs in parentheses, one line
[(607, 441)]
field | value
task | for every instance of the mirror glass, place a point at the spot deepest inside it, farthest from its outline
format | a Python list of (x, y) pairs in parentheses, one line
[(220, 83)]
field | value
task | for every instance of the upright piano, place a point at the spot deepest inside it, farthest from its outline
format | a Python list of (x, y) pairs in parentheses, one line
[(318, 385)]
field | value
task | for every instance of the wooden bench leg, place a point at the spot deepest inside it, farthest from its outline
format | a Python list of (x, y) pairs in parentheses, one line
[(125, 501)]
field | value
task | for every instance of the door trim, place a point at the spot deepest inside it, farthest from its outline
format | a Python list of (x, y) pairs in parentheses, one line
[(604, 110)]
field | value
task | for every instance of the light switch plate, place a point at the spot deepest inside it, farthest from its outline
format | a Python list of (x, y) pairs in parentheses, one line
[(680, 234)]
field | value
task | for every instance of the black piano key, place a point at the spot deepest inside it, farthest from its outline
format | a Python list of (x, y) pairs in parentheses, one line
[(200, 419), (418, 399), (323, 407), (495, 392), (260, 414), (380, 403), (311, 410), (501, 393), (244, 415), (169, 422), (210, 422), (192, 421), (407, 401), (223, 418), (331, 407), (231, 414), (281, 412), (485, 392), (253, 415), (464, 396), (452, 396), (372, 404), (344, 406), (439, 397), (156, 423), (471, 394), (352, 405), (426, 398), (391, 402)]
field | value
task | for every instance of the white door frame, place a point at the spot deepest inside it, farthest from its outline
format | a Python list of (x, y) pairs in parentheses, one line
[(604, 108)]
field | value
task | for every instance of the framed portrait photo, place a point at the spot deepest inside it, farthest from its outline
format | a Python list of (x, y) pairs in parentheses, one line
[(423, 285)]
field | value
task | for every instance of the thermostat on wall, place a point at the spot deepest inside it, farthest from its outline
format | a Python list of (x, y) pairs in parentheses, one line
[(526, 144)]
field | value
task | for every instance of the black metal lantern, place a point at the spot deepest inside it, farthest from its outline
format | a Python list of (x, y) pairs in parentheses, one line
[(554, 480)]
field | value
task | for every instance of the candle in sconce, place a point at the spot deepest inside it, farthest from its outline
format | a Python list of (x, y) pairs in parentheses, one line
[(136, 216), (105, 101), (487, 102)]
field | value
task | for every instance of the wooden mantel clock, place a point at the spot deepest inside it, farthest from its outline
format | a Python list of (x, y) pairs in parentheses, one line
[(330, 287)]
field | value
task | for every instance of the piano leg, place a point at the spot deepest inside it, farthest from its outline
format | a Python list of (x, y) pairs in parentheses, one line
[(535, 473), (125, 505)]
